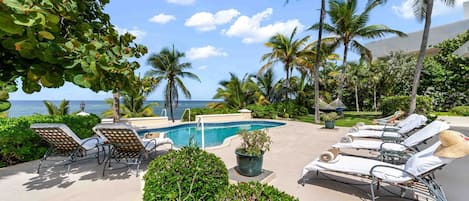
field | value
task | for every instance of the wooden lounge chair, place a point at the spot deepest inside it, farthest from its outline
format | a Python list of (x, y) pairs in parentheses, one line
[(63, 141), (126, 145), (389, 119)]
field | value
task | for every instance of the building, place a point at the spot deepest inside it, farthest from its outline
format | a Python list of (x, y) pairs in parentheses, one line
[(411, 43)]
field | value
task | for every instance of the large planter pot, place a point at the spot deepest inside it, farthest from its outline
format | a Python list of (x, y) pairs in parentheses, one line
[(249, 165), (329, 124)]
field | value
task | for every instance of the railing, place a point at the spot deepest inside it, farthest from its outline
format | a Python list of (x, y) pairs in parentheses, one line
[(163, 111), (185, 110), (200, 122)]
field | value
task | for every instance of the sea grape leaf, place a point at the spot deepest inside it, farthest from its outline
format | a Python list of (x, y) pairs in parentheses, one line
[(8, 26), (46, 35), (4, 105)]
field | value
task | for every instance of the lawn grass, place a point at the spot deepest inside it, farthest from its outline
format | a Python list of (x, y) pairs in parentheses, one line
[(445, 114), (349, 119)]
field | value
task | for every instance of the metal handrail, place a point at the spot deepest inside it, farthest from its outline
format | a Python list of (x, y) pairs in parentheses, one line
[(185, 110), (164, 111), (200, 122)]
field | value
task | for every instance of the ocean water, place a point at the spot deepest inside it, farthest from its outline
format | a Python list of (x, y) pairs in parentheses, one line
[(26, 108)]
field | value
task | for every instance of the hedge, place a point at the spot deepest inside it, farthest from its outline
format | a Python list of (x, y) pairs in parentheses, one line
[(391, 104), (18, 143), (253, 191), (460, 110), (187, 174), (201, 111)]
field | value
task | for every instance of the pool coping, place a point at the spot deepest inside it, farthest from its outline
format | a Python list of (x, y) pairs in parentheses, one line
[(227, 141)]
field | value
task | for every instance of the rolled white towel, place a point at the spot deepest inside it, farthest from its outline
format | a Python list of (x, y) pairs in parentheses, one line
[(330, 156), (354, 129), (360, 124), (346, 139)]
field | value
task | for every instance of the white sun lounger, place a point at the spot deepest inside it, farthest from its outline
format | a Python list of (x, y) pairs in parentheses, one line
[(423, 134), (405, 176), (399, 125), (413, 123)]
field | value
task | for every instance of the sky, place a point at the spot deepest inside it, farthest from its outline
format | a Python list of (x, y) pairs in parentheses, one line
[(219, 37)]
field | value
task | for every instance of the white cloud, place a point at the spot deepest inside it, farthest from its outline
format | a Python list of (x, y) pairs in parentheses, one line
[(250, 29), (405, 9), (205, 21), (204, 67), (137, 32), (204, 52), (181, 2), (162, 18)]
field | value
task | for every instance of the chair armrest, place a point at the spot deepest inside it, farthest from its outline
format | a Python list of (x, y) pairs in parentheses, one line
[(406, 173), (90, 139)]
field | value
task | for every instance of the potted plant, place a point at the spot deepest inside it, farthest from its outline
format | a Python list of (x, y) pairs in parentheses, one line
[(250, 155), (329, 119)]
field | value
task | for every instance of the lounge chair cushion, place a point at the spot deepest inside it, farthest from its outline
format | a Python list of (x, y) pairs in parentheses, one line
[(373, 133), (425, 161), (369, 144), (425, 133), (357, 166)]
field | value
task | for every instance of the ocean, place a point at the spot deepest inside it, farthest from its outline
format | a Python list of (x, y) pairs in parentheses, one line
[(26, 108)]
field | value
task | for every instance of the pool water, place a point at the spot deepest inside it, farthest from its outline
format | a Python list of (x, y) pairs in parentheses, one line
[(215, 133)]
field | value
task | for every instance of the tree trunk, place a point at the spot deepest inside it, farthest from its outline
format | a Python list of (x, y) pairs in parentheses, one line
[(342, 75), (286, 86), (316, 65), (375, 107), (171, 101), (423, 48), (115, 107), (356, 98)]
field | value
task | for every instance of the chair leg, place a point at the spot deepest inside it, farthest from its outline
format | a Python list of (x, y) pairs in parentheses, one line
[(372, 188), (44, 158)]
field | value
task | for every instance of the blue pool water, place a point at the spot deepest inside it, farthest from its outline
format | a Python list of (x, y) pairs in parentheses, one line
[(215, 133)]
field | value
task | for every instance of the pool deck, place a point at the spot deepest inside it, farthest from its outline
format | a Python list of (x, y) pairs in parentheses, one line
[(294, 145)]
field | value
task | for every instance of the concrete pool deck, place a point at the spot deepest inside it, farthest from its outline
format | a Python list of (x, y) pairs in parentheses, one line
[(294, 145)]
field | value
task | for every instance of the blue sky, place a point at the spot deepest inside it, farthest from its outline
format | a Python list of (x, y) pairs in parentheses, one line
[(219, 37)]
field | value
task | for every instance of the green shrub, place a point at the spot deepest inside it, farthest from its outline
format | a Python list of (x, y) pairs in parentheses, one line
[(331, 116), (263, 111), (20, 144), (253, 191), (201, 111), (391, 104), (187, 174), (460, 110)]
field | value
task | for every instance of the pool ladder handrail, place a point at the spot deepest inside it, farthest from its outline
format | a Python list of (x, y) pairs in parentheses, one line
[(200, 122), (185, 110), (164, 111)]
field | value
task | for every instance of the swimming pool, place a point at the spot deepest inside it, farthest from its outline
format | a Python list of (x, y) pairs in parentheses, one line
[(215, 133)]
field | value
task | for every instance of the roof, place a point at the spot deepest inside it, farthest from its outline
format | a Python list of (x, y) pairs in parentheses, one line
[(463, 51), (411, 43)]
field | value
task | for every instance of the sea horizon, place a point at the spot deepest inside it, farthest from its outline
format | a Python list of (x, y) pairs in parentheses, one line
[(31, 107)]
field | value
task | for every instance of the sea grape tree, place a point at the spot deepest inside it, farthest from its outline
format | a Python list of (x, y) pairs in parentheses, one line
[(45, 43)]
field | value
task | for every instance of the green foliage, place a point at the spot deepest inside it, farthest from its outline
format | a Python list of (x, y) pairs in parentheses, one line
[(290, 109), (461, 110), (238, 93), (62, 109), (167, 66), (391, 104), (331, 116), (19, 143), (263, 111), (254, 143), (186, 174), (46, 43), (134, 99), (201, 111), (446, 75), (253, 191)]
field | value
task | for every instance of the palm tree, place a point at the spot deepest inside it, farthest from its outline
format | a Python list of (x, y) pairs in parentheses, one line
[(167, 66), (423, 11), (347, 26), (238, 93), (286, 50), (266, 83), (62, 109), (316, 63), (133, 106)]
